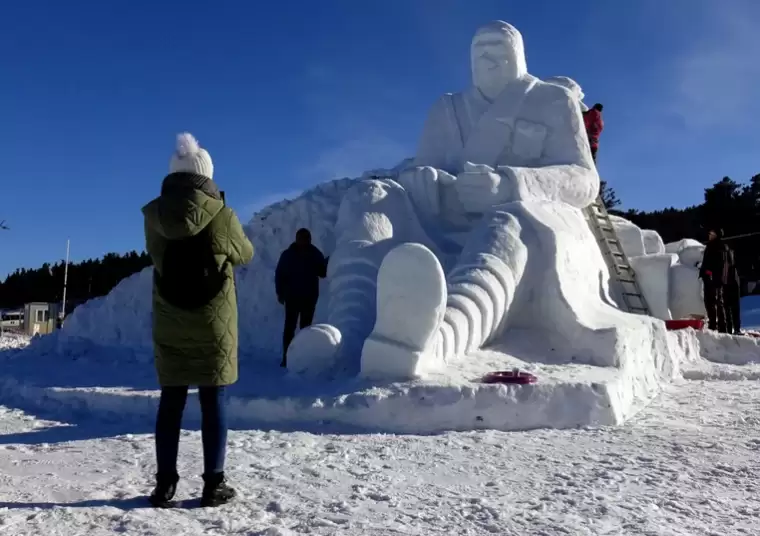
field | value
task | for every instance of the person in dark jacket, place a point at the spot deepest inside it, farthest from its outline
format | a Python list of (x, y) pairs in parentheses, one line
[(732, 296), (594, 126), (194, 241), (714, 272), (297, 285)]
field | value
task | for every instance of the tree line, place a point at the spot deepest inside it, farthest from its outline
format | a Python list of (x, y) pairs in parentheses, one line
[(86, 280), (727, 204)]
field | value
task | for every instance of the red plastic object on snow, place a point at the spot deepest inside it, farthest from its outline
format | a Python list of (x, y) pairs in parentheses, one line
[(510, 376), (696, 323)]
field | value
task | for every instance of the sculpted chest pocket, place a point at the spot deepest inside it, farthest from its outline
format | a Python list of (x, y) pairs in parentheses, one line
[(528, 139)]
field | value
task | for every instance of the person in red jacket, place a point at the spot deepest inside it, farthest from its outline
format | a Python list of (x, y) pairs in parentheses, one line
[(594, 126)]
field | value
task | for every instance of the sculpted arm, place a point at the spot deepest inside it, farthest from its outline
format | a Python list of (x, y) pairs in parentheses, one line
[(567, 172), (438, 137)]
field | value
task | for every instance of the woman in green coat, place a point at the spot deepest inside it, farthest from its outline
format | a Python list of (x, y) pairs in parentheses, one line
[(194, 241)]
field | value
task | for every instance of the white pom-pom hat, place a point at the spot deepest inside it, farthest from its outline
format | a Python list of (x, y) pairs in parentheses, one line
[(190, 158)]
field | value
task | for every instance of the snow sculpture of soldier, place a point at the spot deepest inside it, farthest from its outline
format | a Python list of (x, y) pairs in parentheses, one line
[(494, 197)]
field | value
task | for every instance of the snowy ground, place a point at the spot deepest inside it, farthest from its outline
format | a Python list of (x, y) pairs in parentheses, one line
[(13, 341), (685, 466)]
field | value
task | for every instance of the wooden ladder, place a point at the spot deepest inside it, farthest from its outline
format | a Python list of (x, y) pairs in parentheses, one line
[(615, 258)]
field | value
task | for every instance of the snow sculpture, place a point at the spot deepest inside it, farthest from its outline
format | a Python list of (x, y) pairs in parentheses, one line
[(667, 273), (681, 245), (653, 275), (630, 236), (403, 334), (685, 290), (312, 351), (494, 198), (653, 244)]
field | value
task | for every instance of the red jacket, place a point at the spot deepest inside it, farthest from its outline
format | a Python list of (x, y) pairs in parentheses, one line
[(594, 126)]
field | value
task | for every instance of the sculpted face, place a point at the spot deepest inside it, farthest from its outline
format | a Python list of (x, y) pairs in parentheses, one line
[(498, 58)]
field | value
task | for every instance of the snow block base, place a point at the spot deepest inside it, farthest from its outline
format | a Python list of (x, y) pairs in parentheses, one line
[(566, 396)]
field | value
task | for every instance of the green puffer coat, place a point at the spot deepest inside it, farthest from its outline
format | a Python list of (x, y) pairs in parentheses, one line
[(197, 347)]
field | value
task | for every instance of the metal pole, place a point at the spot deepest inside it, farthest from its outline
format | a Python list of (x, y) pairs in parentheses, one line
[(65, 280), (741, 236)]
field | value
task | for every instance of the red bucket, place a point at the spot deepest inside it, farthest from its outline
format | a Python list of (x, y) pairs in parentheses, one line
[(696, 323), (509, 376)]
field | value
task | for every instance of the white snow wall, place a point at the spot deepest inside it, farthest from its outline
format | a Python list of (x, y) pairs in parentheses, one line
[(123, 317)]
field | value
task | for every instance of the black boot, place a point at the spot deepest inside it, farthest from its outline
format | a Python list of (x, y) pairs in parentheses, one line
[(216, 492), (166, 487)]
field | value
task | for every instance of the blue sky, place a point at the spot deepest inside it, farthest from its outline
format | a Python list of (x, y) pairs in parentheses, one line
[(287, 94)]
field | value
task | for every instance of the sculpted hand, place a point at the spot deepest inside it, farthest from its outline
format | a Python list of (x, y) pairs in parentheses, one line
[(480, 188), (423, 184)]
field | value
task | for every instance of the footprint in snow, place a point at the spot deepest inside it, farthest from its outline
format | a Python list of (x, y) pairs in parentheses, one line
[(311, 472), (275, 507)]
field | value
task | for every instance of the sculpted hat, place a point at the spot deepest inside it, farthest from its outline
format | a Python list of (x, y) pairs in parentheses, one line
[(190, 158)]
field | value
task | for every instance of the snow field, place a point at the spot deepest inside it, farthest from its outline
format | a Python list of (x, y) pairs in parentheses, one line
[(683, 466)]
